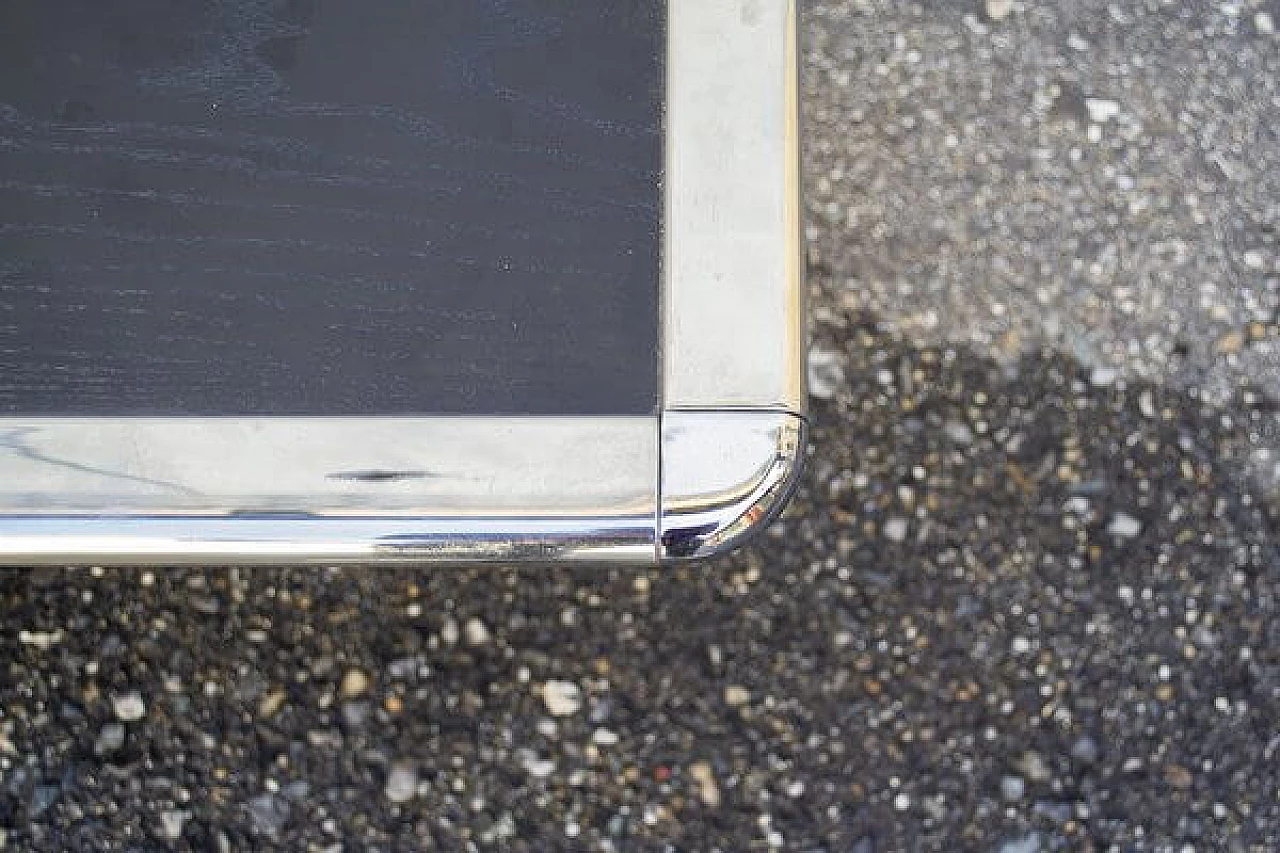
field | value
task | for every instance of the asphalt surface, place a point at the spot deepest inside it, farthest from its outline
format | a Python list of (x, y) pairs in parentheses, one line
[(1025, 600)]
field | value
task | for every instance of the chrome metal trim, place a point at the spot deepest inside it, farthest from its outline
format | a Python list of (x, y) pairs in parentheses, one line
[(733, 321), (251, 490), (256, 539), (717, 464), (725, 475)]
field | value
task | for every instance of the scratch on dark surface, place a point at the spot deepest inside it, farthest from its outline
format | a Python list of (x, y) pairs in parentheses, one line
[(14, 440), (381, 476)]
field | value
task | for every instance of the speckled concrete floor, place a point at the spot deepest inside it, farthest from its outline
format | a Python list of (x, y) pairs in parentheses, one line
[(1025, 600)]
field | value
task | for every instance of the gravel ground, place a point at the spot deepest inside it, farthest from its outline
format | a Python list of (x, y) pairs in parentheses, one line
[(1025, 600)]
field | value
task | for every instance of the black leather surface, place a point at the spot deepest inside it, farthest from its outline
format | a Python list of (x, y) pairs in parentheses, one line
[(329, 206)]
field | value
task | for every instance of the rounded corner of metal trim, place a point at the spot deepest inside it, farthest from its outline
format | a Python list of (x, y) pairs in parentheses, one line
[(725, 475)]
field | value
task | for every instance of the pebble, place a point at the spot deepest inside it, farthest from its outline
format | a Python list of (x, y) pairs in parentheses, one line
[(1057, 812), (171, 823), (109, 740), (826, 373), (354, 683), (476, 633), (1178, 776), (895, 529), (1264, 23), (998, 10), (562, 698), (1034, 767), (356, 714), (297, 791), (129, 707), (708, 789), (1230, 343), (42, 797), (1086, 750), (268, 814), (736, 696), (1012, 788), (42, 640), (958, 431), (505, 828), (537, 767), (402, 782), (1124, 526), (1103, 377), (449, 633), (1027, 844), (604, 737), (1101, 110), (271, 703)]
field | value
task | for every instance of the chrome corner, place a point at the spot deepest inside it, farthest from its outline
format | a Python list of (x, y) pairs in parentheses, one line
[(725, 475)]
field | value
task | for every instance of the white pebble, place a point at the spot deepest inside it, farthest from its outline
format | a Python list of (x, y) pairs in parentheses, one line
[(735, 696), (1124, 526), (1264, 23), (1077, 505), (895, 529), (604, 737), (539, 768), (477, 633), (42, 640), (171, 823), (1101, 110), (826, 373), (998, 10), (129, 707), (449, 633), (902, 802), (1103, 377), (562, 698), (402, 783)]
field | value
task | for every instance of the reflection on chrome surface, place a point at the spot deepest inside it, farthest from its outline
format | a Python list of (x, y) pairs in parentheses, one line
[(255, 490), (724, 475)]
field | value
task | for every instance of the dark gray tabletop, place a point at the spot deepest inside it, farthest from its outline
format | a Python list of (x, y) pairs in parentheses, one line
[(333, 207)]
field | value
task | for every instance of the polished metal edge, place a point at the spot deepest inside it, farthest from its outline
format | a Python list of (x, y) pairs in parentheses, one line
[(261, 540), (725, 476), (333, 490), (733, 294)]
